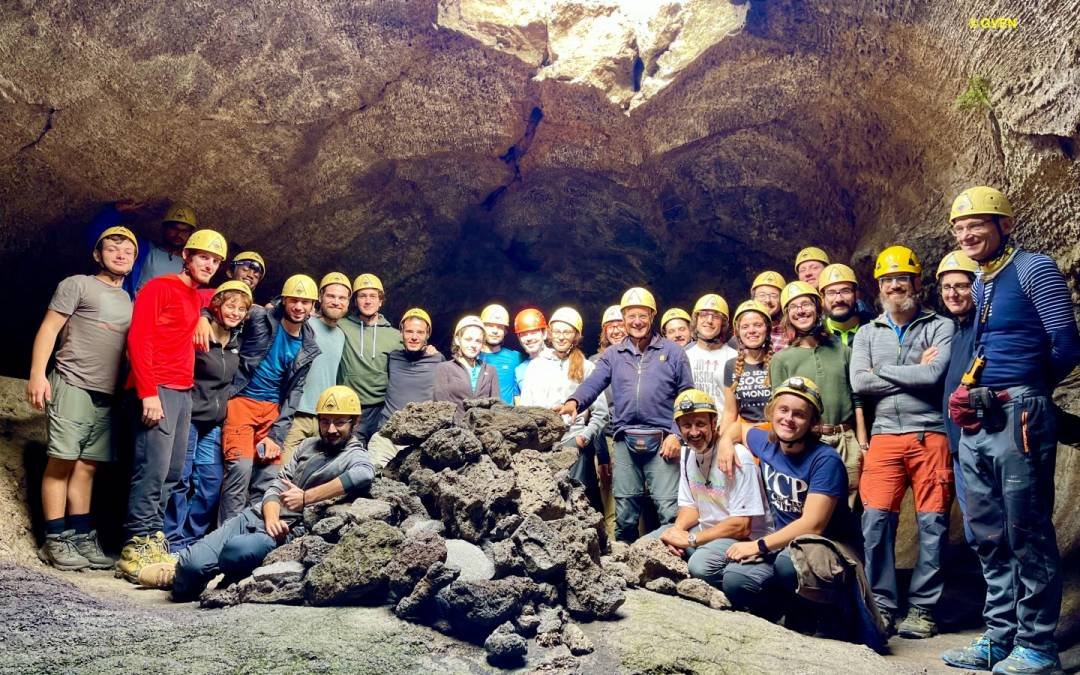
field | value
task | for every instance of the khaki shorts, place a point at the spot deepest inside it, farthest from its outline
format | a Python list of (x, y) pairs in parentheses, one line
[(80, 422)]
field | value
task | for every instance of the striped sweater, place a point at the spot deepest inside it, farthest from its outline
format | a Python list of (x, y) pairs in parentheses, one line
[(1031, 336)]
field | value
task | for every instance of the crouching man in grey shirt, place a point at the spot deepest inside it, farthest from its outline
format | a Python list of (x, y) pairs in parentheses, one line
[(327, 467)]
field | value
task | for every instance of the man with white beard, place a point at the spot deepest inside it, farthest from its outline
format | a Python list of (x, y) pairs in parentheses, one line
[(908, 445)]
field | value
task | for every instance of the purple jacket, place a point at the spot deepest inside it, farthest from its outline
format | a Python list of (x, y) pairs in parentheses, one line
[(643, 385)]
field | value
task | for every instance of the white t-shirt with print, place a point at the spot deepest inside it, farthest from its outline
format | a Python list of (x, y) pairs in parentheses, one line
[(719, 497)]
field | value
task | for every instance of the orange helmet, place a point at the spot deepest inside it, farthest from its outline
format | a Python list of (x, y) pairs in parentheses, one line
[(529, 319)]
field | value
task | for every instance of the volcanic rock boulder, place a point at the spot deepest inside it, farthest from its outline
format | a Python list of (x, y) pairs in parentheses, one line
[(472, 499), (540, 493), (419, 605), (540, 548), (355, 570), (505, 647), (513, 429), (475, 608), (411, 561), (417, 421), (648, 559), (450, 448)]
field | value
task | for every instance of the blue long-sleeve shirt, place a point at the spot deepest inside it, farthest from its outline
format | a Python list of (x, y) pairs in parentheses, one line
[(1030, 337), (644, 384)]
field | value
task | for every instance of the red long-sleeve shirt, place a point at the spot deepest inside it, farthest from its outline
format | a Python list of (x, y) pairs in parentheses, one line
[(160, 339)]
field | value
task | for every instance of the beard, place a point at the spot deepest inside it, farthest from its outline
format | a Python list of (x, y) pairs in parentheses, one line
[(897, 306)]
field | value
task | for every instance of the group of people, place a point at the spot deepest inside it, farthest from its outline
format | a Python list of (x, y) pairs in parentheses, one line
[(755, 437)]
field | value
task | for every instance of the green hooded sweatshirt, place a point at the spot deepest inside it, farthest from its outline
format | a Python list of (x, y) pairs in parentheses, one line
[(363, 361)]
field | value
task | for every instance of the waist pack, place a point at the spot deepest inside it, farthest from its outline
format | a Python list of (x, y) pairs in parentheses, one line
[(975, 408), (643, 441)]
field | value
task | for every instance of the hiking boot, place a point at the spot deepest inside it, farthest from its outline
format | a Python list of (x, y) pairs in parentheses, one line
[(137, 553), (89, 547), (157, 575), (1029, 661), (918, 624), (981, 654), (60, 552), (159, 549)]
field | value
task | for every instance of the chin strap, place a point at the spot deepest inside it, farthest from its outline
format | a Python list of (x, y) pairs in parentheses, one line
[(1000, 259)]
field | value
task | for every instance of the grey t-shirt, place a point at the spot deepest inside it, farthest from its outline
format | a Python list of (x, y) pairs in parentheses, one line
[(324, 369), (92, 341)]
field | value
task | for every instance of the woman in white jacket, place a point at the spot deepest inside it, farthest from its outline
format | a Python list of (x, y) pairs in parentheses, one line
[(553, 376)]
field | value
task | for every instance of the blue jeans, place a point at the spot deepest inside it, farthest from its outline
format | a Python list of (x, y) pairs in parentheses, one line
[(234, 549), (632, 474), (755, 586), (1009, 476), (192, 507), (706, 562)]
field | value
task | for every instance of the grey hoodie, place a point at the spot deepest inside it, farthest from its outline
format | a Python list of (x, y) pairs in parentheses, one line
[(312, 466), (887, 372)]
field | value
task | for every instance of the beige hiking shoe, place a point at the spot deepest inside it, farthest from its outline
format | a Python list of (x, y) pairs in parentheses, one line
[(157, 575)]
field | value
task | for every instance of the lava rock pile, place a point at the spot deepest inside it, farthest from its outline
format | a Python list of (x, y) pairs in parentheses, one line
[(475, 529)]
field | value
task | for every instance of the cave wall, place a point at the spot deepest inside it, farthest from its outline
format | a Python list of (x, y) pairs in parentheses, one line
[(531, 152)]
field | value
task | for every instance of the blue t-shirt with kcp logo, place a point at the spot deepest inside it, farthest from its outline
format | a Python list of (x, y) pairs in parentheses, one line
[(790, 478)]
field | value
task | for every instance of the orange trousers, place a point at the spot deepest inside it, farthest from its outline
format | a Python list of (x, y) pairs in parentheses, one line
[(247, 422), (895, 461)]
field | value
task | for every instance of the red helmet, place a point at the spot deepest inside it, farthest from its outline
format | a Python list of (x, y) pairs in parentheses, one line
[(529, 319)]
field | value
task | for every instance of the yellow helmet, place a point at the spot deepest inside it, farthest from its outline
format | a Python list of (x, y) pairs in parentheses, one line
[(713, 302), (957, 261), (496, 314), (752, 306), (673, 313), (836, 273), (768, 278), (797, 289), (803, 387), (119, 231), (612, 313), (896, 259), (979, 201), (694, 401), (180, 213), (334, 278), (416, 313), (234, 285), (208, 241), (811, 253), (365, 281), (467, 321), (338, 400), (252, 256), (637, 297), (567, 315), (300, 286)]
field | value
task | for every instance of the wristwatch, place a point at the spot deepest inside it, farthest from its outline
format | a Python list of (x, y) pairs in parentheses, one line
[(692, 539), (761, 547)]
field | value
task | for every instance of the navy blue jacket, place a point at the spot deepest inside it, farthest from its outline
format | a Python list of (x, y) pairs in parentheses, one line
[(643, 384)]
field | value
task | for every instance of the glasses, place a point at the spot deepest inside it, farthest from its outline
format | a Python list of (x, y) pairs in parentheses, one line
[(563, 333), (840, 293), (710, 315), (955, 288), (974, 228), (801, 306), (898, 280), (251, 264), (765, 295)]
